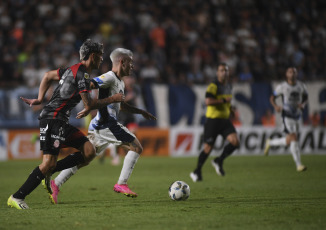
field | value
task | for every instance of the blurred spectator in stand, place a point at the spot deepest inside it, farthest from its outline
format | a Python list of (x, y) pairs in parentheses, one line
[(245, 75), (315, 119), (235, 117), (268, 119), (149, 73)]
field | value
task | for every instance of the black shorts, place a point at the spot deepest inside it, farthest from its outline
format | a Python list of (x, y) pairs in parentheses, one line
[(57, 134), (215, 127)]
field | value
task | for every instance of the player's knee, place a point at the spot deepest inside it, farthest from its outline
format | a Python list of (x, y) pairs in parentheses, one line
[(233, 139), (136, 146), (89, 152), (292, 137), (235, 143), (47, 167), (139, 149), (207, 148)]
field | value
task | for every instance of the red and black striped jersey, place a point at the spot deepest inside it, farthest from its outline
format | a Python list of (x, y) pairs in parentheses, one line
[(73, 81)]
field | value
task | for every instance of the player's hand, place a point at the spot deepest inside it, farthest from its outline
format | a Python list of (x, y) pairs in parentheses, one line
[(301, 106), (83, 113), (119, 97), (228, 100), (31, 102), (278, 109), (148, 116)]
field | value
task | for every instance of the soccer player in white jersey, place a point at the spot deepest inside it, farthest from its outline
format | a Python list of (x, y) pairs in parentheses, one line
[(104, 129), (294, 96)]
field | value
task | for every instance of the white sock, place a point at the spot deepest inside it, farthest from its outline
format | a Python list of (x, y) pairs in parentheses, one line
[(295, 151), (113, 151), (128, 165), (278, 141), (64, 175)]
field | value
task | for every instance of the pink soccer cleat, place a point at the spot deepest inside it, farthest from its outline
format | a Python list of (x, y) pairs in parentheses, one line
[(55, 192), (124, 189)]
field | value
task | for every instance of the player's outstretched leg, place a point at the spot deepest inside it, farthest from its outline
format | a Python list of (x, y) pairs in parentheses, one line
[(196, 175), (127, 168)]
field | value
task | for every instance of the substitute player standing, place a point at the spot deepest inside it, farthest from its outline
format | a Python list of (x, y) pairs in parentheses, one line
[(104, 129), (218, 101), (295, 97)]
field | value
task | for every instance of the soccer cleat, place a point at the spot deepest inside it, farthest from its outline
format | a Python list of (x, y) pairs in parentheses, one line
[(301, 168), (17, 203), (124, 189), (218, 167), (46, 182), (195, 176), (267, 147), (54, 196)]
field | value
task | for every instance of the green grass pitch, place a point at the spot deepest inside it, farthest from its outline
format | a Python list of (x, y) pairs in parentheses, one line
[(257, 193)]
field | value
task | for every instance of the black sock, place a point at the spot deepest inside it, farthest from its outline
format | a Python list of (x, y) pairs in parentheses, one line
[(30, 184), (69, 161), (201, 160), (227, 151)]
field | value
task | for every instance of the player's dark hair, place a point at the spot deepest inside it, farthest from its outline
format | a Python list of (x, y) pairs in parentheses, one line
[(89, 47), (222, 64)]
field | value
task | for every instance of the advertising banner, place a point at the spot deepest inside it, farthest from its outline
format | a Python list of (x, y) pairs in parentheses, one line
[(188, 141), (23, 144), (3, 145), (155, 141)]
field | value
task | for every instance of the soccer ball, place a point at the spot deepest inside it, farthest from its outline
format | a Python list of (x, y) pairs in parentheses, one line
[(179, 190)]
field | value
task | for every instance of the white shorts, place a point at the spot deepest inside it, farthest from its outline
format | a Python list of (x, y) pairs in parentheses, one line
[(291, 125), (116, 135)]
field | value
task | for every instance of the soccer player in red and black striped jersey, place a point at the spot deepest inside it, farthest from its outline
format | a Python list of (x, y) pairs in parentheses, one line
[(55, 131)]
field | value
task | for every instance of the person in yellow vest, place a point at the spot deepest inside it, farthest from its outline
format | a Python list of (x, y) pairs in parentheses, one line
[(218, 101)]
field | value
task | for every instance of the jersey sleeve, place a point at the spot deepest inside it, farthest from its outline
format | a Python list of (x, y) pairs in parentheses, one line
[(211, 91), (60, 72), (83, 81), (103, 81), (278, 90)]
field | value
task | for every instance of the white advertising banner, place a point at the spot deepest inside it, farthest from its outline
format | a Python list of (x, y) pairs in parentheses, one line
[(187, 141)]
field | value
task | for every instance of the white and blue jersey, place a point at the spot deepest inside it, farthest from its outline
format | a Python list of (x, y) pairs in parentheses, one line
[(108, 84), (292, 96), (104, 129)]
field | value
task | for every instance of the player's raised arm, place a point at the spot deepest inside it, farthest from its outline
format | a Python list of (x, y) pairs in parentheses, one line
[(46, 82)]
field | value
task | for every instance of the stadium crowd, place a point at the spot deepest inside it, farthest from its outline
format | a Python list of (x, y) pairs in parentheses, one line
[(173, 41)]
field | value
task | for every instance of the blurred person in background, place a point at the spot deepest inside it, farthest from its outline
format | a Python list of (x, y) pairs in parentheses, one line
[(294, 98), (218, 101)]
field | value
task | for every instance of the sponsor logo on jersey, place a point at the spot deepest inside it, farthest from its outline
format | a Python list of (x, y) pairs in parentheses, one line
[(81, 84), (43, 130), (56, 144), (58, 137), (61, 131)]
